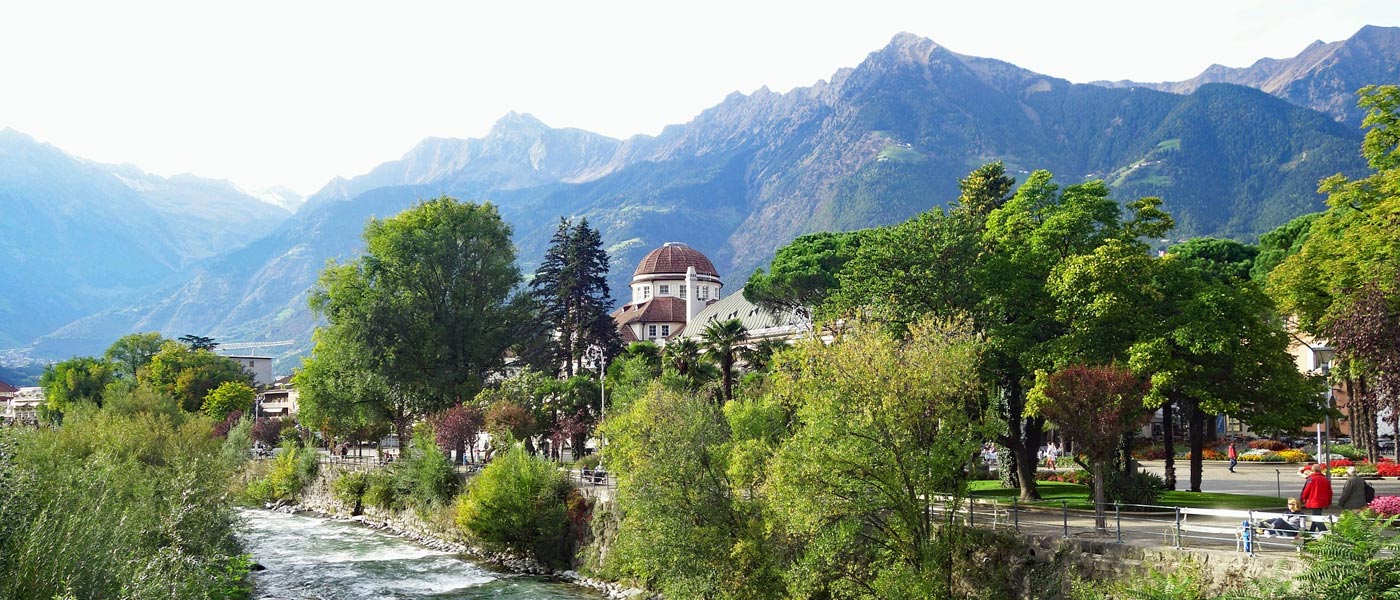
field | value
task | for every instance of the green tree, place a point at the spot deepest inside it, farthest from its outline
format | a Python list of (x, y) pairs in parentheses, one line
[(519, 504), (572, 287), (803, 273), (189, 375), (430, 308), (693, 521), (1231, 258), (199, 342), (230, 396), (1284, 241), (132, 352), (722, 341), (682, 356), (887, 428), (1219, 347), (340, 397), (1024, 241), (74, 381)]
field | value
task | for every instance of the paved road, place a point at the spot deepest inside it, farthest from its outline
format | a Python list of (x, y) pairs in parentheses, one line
[(1259, 479)]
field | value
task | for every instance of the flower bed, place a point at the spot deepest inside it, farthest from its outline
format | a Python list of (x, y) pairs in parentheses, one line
[(1386, 506), (1294, 456), (1207, 454), (1270, 445), (1262, 457), (1388, 469)]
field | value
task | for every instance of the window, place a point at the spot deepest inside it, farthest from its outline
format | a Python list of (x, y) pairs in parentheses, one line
[(651, 331), (665, 289), (665, 331), (646, 292), (704, 292), (682, 291)]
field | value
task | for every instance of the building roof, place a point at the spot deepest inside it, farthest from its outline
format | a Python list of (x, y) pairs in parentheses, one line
[(758, 321), (6, 388), (659, 309), (675, 257)]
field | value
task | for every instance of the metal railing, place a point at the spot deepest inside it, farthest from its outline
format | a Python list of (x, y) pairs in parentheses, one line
[(1175, 526)]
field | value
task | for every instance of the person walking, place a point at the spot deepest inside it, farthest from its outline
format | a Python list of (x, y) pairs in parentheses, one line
[(1317, 495), (1354, 493), (1051, 453), (1234, 456)]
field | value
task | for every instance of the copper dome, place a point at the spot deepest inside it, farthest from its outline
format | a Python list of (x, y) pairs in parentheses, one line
[(675, 257)]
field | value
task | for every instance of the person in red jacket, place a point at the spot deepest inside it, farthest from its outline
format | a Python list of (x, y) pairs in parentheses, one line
[(1317, 495)]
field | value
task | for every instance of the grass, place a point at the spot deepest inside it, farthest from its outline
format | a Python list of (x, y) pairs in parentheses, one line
[(1052, 493)]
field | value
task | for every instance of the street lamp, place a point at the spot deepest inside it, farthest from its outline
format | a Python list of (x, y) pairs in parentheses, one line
[(1322, 359)]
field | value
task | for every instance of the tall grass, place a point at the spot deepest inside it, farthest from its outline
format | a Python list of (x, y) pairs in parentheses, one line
[(124, 502)]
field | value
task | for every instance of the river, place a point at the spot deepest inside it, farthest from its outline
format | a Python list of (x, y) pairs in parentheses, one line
[(314, 558)]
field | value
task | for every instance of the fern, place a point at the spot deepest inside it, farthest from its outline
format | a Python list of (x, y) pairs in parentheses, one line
[(1357, 559)]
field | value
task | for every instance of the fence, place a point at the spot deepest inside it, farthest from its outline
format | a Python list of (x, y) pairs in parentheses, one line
[(1243, 530)]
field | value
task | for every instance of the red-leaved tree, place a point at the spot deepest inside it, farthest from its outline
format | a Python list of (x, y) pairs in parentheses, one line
[(458, 428), (1095, 405)]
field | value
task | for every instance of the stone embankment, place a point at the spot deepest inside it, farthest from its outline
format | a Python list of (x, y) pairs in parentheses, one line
[(318, 500)]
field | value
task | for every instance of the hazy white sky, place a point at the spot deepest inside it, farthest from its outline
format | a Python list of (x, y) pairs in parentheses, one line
[(295, 92)]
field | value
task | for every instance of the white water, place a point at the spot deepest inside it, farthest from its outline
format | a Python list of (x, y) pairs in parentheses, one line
[(315, 558)]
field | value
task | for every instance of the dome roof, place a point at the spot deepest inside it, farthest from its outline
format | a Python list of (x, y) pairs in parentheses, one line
[(675, 257)]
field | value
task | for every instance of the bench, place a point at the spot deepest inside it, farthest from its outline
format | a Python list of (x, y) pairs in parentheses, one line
[(1247, 519)]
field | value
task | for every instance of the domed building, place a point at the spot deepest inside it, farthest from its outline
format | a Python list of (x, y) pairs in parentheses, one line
[(671, 285)]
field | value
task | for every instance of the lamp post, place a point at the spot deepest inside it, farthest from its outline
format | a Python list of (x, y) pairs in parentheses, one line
[(1322, 359)]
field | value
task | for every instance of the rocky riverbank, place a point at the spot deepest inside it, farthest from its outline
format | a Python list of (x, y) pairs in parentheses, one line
[(317, 500)]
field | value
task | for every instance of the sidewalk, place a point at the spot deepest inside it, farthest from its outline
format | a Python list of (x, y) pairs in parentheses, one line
[(1260, 479)]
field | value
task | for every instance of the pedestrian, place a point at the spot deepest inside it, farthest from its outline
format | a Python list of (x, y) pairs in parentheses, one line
[(1051, 453), (1354, 493), (1317, 495), (1234, 456)]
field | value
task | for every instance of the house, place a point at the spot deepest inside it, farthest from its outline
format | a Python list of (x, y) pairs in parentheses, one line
[(260, 367), (280, 399), (23, 406), (670, 286)]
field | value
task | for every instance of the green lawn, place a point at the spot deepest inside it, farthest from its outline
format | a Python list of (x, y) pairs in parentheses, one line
[(1052, 493)]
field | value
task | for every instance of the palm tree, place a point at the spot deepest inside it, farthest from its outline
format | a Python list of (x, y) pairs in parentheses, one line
[(682, 355), (761, 354), (722, 339)]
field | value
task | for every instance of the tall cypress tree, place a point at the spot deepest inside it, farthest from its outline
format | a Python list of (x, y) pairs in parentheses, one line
[(572, 289)]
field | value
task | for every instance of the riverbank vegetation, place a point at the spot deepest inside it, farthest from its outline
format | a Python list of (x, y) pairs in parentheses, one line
[(126, 500)]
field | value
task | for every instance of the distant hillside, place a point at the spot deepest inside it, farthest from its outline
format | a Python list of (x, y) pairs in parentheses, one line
[(80, 237), (1323, 77), (874, 145)]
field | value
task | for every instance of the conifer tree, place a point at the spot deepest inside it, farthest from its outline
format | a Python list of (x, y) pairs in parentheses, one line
[(571, 287)]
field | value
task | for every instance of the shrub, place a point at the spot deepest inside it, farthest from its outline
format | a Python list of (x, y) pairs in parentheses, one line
[(588, 462), (1139, 488), (380, 491), (1149, 452), (519, 504), (1349, 451), (1075, 476), (1340, 462), (267, 431), (350, 488), (426, 473), (1388, 469), (1271, 445), (292, 469), (1365, 468)]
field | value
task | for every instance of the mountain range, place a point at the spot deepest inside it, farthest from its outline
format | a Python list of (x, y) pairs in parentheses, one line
[(873, 145)]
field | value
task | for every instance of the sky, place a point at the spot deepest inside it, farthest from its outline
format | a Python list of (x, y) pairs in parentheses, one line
[(296, 92)]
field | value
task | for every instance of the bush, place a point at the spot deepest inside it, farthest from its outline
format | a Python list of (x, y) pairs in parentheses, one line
[(350, 488), (426, 473), (519, 504), (1139, 488), (1149, 452), (380, 491), (588, 462), (1349, 451), (1271, 445), (292, 469), (1388, 469), (1075, 476)]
